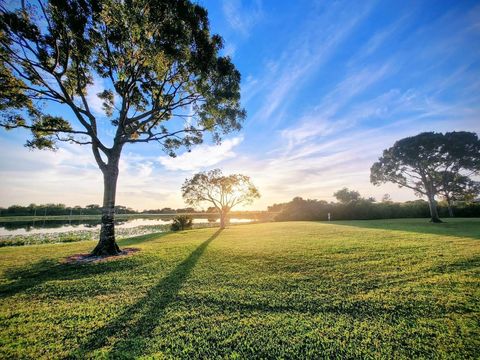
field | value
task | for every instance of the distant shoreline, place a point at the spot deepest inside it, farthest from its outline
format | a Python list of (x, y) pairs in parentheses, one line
[(238, 214)]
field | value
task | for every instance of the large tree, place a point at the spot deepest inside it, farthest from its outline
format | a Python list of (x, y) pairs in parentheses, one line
[(425, 163), (222, 191), (164, 80)]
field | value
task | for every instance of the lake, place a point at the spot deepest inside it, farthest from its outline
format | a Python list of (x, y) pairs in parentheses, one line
[(59, 226)]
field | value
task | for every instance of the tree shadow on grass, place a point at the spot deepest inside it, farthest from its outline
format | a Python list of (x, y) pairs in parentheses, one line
[(135, 325), (357, 309), (471, 264), (141, 239), (468, 228), (414, 300), (27, 278), (34, 275)]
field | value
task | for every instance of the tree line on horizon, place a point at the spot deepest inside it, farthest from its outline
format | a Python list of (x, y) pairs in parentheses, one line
[(350, 205), (52, 209), (360, 208)]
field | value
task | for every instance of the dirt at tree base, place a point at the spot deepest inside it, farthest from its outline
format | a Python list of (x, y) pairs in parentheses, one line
[(89, 258)]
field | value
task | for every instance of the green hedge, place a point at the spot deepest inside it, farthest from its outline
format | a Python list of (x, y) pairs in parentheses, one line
[(300, 209)]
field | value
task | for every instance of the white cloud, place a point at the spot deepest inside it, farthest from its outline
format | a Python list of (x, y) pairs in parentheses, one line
[(354, 84), (240, 17), (71, 176), (202, 156)]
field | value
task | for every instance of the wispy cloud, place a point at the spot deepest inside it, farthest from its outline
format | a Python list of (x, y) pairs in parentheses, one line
[(241, 17), (202, 156), (45, 176), (379, 38), (322, 120), (312, 48), (229, 49)]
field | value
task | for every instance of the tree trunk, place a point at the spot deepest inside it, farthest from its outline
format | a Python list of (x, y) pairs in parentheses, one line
[(449, 206), (450, 210), (106, 245), (223, 219), (433, 209)]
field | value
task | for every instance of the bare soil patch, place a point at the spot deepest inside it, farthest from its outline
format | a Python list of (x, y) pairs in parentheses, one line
[(88, 258)]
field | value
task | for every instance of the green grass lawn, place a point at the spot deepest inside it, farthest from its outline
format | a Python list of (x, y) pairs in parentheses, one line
[(359, 289)]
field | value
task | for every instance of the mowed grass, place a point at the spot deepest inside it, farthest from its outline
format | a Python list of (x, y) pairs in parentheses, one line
[(361, 289)]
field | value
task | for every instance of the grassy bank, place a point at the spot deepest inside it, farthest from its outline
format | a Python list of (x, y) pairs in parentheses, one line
[(85, 235), (360, 289), (77, 235)]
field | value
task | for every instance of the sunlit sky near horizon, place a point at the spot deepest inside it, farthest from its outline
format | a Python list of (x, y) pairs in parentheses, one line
[(327, 86)]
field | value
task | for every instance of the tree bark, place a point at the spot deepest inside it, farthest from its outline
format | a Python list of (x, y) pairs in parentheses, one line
[(449, 206), (223, 219), (107, 245), (433, 209)]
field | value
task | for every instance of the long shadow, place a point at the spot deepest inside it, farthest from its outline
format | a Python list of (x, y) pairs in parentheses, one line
[(357, 306), (360, 309), (471, 264), (33, 275), (136, 324), (141, 239), (469, 228), (27, 278)]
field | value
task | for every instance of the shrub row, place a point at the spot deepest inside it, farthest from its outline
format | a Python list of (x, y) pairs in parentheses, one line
[(300, 209)]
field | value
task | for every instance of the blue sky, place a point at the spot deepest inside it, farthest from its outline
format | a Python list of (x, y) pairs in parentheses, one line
[(327, 86)]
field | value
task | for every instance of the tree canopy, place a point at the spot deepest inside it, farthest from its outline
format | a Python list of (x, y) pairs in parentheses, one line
[(345, 195), (158, 58), (222, 191)]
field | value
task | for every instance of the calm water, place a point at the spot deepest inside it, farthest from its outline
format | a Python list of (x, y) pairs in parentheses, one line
[(59, 226)]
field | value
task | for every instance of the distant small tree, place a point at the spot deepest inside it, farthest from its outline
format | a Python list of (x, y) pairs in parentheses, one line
[(276, 207), (222, 191), (304, 209), (346, 196), (92, 207), (427, 162), (457, 187), (188, 210), (386, 198), (167, 210)]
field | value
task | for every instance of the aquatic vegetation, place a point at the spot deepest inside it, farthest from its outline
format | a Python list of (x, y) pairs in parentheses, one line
[(77, 235), (84, 235)]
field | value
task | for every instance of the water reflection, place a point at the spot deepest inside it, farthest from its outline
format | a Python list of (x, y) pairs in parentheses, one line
[(59, 226)]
